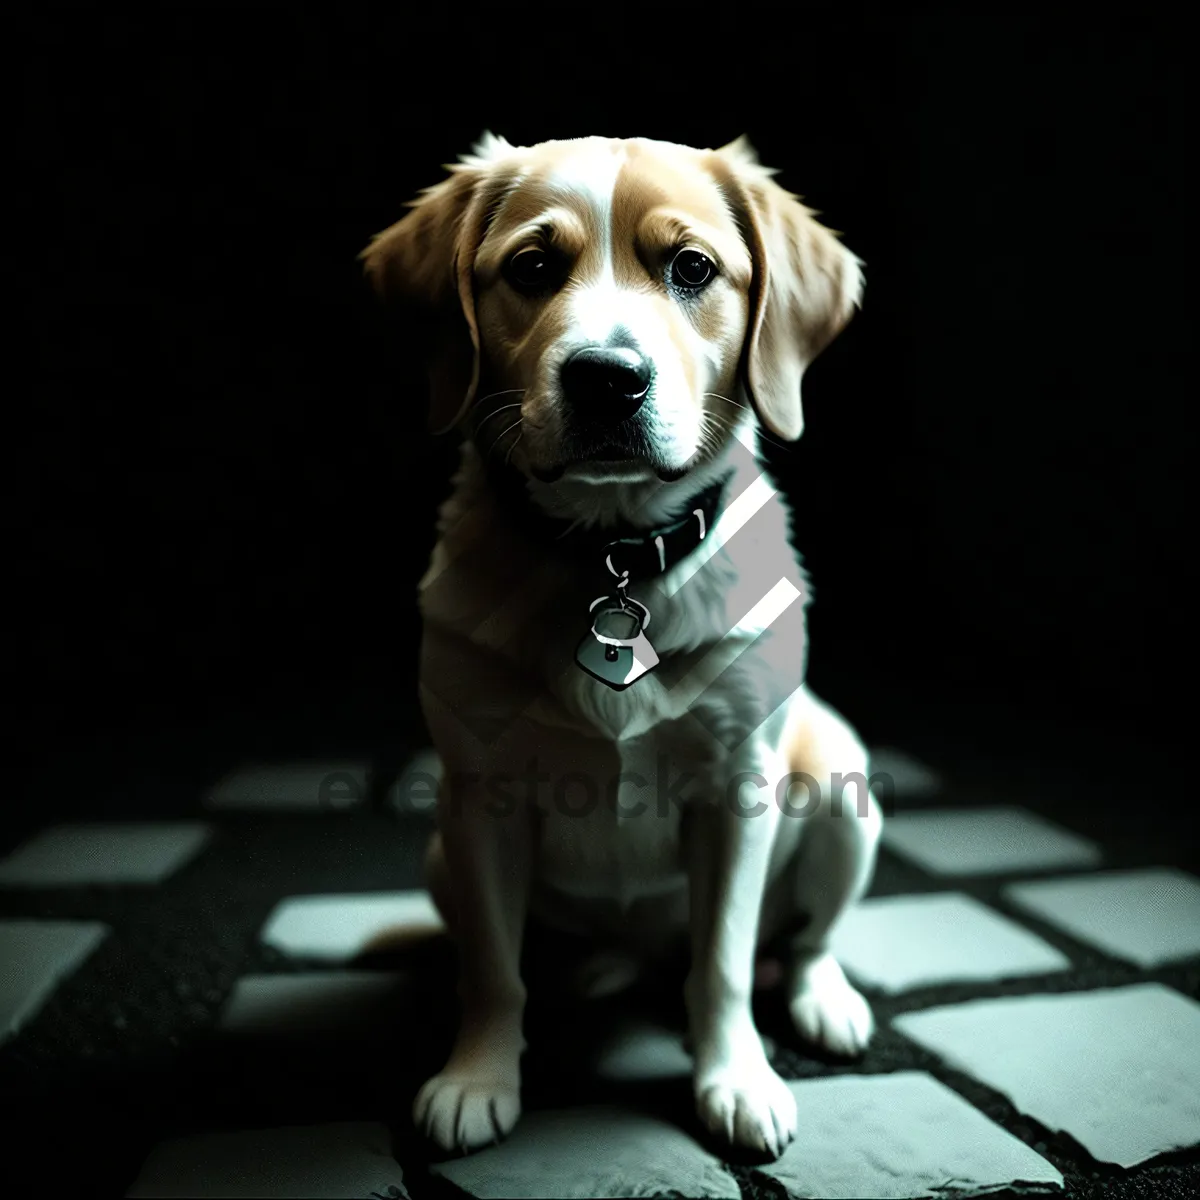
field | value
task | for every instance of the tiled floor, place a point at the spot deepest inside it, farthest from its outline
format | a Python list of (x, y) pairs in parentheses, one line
[(265, 973)]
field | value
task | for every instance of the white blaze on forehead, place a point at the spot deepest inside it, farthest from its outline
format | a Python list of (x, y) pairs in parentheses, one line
[(592, 173)]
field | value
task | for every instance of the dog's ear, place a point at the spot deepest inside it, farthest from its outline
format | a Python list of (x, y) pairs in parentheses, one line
[(426, 262), (806, 285)]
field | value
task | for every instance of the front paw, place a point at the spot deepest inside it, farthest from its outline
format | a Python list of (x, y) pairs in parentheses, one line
[(748, 1105), (827, 1010), (459, 1110)]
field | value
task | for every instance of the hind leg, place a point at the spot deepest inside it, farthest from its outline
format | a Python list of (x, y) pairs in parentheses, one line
[(828, 868)]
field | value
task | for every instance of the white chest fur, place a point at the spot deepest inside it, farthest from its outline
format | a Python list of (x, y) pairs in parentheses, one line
[(618, 837)]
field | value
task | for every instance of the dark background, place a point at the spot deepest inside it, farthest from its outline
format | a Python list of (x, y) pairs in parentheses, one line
[(222, 495)]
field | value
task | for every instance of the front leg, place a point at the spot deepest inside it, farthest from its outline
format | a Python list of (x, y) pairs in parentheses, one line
[(484, 863), (738, 1094)]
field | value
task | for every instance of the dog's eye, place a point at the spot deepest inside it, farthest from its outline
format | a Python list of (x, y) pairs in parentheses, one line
[(529, 270), (691, 270)]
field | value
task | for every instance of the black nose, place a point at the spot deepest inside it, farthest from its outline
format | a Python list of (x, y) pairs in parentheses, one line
[(606, 385)]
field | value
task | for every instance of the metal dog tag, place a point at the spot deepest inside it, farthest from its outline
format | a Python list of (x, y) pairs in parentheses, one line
[(615, 660)]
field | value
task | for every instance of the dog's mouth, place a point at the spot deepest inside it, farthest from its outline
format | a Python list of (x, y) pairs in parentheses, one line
[(610, 468), (610, 459)]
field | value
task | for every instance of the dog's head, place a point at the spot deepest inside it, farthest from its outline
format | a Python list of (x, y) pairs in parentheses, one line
[(605, 308)]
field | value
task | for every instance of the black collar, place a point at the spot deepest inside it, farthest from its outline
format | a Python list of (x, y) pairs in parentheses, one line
[(619, 549)]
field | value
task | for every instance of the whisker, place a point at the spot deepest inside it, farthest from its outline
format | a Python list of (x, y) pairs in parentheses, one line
[(477, 408), (746, 408), (498, 439), (493, 395), (710, 433), (513, 446), (503, 408), (735, 403)]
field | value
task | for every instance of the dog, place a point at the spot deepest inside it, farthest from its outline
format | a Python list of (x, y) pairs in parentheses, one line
[(613, 325)]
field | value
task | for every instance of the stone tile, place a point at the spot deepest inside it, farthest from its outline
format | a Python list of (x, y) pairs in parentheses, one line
[(315, 1003), (899, 942), (37, 956), (350, 1159), (415, 792), (337, 928), (124, 852), (1117, 1069), (985, 841), (899, 1135), (597, 1151), (295, 786), (910, 777), (637, 1050), (1147, 917)]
